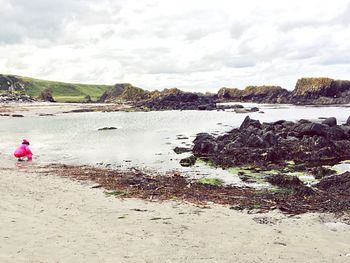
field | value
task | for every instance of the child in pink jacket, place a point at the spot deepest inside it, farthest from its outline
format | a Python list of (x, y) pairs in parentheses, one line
[(23, 151)]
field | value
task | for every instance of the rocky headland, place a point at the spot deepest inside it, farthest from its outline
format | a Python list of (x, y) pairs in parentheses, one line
[(168, 99), (316, 91), (313, 91)]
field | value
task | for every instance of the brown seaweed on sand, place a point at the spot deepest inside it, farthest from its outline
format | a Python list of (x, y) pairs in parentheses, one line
[(325, 197)]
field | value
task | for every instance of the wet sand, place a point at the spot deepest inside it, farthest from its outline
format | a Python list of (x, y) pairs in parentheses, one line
[(54, 219), (47, 108)]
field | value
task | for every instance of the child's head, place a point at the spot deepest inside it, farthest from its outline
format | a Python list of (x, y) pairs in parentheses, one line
[(25, 142)]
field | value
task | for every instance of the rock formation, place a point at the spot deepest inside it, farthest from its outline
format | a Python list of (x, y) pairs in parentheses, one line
[(46, 95), (263, 144), (307, 91)]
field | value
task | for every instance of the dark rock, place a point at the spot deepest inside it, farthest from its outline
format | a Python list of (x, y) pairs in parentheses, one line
[(320, 172), (335, 133), (241, 111), (348, 121), (239, 142), (254, 109), (279, 122), (255, 141), (205, 147), (181, 137), (302, 121), (269, 138), (107, 128), (174, 99), (229, 106), (290, 182), (46, 114), (330, 121), (346, 130), (310, 129), (46, 95), (189, 161), (17, 115), (238, 106), (79, 110), (321, 142), (248, 122), (206, 107), (271, 144), (180, 150), (204, 136)]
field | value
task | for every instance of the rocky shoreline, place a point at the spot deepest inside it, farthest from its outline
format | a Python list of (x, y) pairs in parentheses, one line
[(273, 145), (11, 98), (307, 91), (281, 153)]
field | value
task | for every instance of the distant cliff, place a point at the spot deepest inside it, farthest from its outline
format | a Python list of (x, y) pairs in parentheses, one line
[(258, 94), (124, 92), (307, 91), (319, 91), (168, 99)]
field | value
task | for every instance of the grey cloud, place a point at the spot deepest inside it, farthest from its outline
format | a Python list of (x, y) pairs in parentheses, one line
[(165, 62), (237, 29), (343, 18), (340, 18), (42, 19), (298, 24), (206, 44), (335, 59), (240, 61), (225, 58), (301, 54), (195, 34)]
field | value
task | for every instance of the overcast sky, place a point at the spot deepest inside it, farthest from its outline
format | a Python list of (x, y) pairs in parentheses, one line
[(194, 45)]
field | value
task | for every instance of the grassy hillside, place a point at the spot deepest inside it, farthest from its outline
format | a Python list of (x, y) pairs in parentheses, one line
[(63, 92)]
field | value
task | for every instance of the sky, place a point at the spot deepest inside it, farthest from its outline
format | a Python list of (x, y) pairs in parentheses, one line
[(194, 45)]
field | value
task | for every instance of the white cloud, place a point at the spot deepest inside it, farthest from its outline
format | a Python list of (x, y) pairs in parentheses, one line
[(194, 45)]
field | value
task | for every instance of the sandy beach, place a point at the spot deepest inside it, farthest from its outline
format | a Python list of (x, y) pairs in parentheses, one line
[(174, 131), (54, 219)]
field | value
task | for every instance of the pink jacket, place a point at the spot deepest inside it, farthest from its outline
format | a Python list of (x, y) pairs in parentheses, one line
[(23, 151)]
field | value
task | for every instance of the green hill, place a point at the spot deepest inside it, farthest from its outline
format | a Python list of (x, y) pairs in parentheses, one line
[(62, 92)]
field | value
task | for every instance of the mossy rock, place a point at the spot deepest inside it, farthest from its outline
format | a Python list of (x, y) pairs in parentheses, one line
[(211, 181)]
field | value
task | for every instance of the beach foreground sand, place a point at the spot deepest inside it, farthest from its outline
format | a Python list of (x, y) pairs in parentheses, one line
[(54, 219)]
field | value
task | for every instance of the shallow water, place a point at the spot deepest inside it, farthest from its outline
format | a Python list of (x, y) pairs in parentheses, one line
[(143, 139)]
